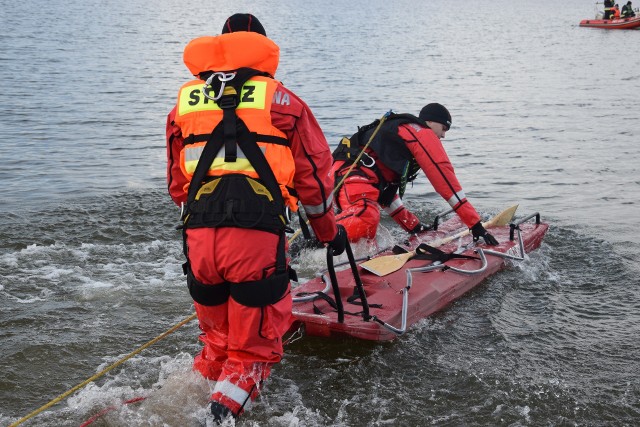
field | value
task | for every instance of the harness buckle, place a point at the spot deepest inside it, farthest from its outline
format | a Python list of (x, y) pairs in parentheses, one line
[(227, 102), (223, 78), (370, 165), (287, 214)]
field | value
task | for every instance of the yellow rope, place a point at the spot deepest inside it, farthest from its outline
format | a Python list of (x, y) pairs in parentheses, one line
[(355, 162), (104, 371)]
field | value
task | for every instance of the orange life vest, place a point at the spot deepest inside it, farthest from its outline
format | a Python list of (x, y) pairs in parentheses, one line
[(197, 115)]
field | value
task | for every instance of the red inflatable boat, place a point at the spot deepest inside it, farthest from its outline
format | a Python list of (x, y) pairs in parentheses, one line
[(380, 297), (620, 24)]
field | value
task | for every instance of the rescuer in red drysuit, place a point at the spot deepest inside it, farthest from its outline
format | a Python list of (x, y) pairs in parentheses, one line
[(615, 13), (402, 146), (267, 153)]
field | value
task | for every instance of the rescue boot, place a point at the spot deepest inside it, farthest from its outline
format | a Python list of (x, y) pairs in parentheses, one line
[(218, 412)]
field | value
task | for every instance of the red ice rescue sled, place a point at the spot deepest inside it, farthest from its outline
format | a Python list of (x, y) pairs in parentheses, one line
[(356, 302)]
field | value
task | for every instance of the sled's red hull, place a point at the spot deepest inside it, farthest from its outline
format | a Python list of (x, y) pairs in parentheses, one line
[(429, 292)]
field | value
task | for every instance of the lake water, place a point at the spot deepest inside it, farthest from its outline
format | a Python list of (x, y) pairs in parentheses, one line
[(545, 114)]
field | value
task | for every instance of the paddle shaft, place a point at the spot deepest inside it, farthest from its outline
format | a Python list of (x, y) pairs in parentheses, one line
[(384, 265), (503, 218), (458, 235)]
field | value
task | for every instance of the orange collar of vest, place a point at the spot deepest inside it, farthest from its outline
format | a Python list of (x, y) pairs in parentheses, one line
[(231, 51)]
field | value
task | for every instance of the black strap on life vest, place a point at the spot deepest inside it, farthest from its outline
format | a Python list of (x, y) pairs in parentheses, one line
[(390, 150), (271, 139), (233, 129), (228, 102)]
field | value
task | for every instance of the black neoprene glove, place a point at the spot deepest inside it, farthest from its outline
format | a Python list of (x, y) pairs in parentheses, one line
[(420, 228), (479, 231), (339, 242)]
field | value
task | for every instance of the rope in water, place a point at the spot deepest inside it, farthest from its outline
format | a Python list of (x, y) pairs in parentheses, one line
[(104, 371)]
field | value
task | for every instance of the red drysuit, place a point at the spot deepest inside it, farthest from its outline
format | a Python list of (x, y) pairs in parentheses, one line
[(241, 342), (358, 197)]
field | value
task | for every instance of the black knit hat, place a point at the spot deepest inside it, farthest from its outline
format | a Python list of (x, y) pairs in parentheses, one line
[(436, 113), (243, 22)]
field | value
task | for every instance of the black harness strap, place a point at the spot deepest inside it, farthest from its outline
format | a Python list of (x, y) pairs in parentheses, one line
[(257, 293), (227, 133), (192, 139), (424, 251), (229, 118), (328, 300), (231, 133), (259, 162), (271, 139), (209, 295), (211, 148)]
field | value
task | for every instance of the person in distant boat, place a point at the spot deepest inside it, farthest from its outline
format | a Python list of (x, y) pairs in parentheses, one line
[(627, 11), (402, 146), (242, 150), (608, 8), (615, 13)]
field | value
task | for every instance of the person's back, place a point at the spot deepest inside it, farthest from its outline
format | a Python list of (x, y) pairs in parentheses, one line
[(627, 11), (238, 144)]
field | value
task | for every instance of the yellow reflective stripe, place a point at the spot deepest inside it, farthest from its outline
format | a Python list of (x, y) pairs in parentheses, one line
[(238, 166), (192, 155), (191, 99)]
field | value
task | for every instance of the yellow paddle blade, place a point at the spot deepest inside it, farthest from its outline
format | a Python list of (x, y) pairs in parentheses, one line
[(502, 219), (381, 266), (387, 264)]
